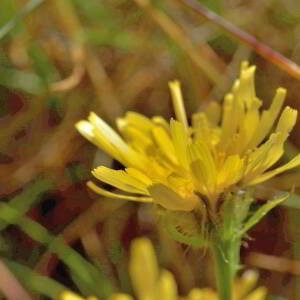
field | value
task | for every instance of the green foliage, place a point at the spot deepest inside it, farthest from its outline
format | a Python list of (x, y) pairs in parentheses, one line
[(4, 246), (97, 12), (36, 282), (3, 105), (42, 64), (88, 273), (11, 18), (224, 43), (77, 173), (26, 199), (283, 17), (214, 5), (119, 39), (7, 12), (109, 30), (24, 81)]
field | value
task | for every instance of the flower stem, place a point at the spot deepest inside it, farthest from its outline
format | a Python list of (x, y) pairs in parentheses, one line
[(227, 255)]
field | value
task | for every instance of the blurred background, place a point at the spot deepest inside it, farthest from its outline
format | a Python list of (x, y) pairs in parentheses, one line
[(61, 59)]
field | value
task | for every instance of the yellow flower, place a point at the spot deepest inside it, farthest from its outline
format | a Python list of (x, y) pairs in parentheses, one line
[(151, 283), (176, 164)]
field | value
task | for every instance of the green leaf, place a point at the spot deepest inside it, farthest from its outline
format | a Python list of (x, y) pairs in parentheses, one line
[(42, 64), (7, 12), (116, 38), (97, 12), (262, 211), (185, 228), (30, 227), (224, 43), (88, 273), (292, 202), (36, 282), (214, 5), (81, 285), (4, 245), (14, 21), (24, 81), (285, 15), (31, 195)]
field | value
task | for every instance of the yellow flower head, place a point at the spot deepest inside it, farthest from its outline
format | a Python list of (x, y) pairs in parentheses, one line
[(151, 283), (176, 164)]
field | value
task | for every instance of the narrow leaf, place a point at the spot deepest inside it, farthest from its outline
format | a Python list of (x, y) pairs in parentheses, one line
[(262, 211), (36, 282)]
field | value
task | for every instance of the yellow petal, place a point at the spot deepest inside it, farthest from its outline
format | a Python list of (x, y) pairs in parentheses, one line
[(213, 112), (200, 179), (202, 294), (108, 194), (228, 128), (178, 103), (143, 268), (287, 120), (201, 126), (290, 165), (231, 172), (137, 138), (121, 180), (203, 165), (244, 65), (245, 284), (91, 133), (286, 123), (107, 132), (195, 294), (111, 142), (257, 159), (120, 297), (178, 180), (169, 199), (157, 120), (67, 295), (139, 121), (247, 130), (180, 141), (167, 288), (268, 118), (165, 143), (86, 129), (259, 294), (139, 176), (121, 124), (239, 103), (247, 87)]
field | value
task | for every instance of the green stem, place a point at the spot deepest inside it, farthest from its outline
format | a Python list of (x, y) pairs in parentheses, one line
[(227, 255)]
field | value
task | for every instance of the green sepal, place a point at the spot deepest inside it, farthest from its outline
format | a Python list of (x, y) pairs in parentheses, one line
[(185, 228)]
